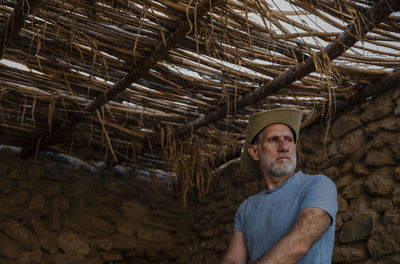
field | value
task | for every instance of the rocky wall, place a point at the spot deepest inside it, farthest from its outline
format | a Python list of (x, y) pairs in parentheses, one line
[(56, 210), (360, 152)]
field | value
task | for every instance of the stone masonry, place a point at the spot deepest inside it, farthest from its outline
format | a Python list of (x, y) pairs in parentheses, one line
[(54, 210)]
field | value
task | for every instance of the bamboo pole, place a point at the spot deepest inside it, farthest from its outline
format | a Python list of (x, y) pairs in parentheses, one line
[(15, 22)]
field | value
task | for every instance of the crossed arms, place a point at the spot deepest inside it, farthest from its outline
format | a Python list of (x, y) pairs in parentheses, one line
[(310, 224)]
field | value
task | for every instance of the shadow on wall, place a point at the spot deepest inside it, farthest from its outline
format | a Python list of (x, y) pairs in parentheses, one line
[(59, 210)]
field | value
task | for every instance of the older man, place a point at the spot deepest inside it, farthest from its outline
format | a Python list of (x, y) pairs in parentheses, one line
[(293, 219)]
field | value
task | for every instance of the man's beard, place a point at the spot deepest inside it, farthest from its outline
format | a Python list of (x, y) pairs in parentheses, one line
[(269, 165)]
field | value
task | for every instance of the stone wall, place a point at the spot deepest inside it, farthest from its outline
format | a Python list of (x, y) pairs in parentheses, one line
[(361, 154), (55, 210)]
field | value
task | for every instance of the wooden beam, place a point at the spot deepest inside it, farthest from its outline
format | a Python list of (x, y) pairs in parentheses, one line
[(159, 52), (15, 22), (355, 31)]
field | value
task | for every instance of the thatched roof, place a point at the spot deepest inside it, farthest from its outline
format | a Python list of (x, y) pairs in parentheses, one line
[(165, 85)]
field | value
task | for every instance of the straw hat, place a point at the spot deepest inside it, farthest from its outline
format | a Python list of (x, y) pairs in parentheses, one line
[(257, 122)]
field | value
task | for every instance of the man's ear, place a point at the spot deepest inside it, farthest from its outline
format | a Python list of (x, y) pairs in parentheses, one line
[(253, 152)]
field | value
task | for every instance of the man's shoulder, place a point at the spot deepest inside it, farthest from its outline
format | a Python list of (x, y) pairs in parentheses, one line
[(314, 178), (254, 198)]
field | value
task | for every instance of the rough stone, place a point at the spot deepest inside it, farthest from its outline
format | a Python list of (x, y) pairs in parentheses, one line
[(397, 173), (332, 172), (59, 204), (319, 157), (104, 244), (343, 254), (381, 181), (91, 225), (386, 241), (356, 230), (37, 202), (357, 207), (112, 257), (391, 217), (352, 142), (380, 108), (46, 238), (397, 111), (53, 221), (361, 169), (371, 129), (8, 248), (381, 205), (339, 222), (20, 234), (153, 235), (18, 198), (127, 227), (120, 188), (385, 138), (395, 146), (380, 157), (71, 243), (29, 257), (124, 243), (343, 181), (347, 166), (344, 125), (390, 123), (342, 204), (133, 210), (5, 186), (354, 189), (158, 250), (396, 194)]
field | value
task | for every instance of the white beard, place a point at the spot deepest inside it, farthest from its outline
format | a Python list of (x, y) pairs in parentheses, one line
[(269, 165)]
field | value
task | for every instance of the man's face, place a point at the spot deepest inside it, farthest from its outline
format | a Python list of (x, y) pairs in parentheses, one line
[(276, 150)]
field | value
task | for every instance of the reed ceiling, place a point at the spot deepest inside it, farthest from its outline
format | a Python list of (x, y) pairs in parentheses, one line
[(166, 86)]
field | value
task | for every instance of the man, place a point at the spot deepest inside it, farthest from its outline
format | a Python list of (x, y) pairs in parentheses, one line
[(293, 219)]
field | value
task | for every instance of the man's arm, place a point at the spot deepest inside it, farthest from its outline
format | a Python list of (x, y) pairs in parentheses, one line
[(310, 224), (237, 251)]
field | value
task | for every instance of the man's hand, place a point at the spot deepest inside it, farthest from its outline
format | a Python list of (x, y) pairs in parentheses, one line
[(237, 251), (309, 226)]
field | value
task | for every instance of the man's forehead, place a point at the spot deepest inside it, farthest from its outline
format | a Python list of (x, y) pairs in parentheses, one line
[(277, 129)]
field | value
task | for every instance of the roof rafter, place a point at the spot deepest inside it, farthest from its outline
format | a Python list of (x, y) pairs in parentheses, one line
[(160, 51), (347, 39), (15, 23)]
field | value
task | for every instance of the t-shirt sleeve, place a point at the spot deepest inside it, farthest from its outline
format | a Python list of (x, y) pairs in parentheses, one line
[(322, 194), (237, 225)]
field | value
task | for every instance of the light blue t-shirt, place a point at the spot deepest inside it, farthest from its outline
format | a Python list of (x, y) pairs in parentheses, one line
[(268, 216)]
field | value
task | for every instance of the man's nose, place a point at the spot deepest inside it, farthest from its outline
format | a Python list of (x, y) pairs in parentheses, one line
[(283, 145)]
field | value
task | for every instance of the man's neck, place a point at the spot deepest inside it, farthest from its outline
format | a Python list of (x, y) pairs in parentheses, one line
[(273, 181)]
